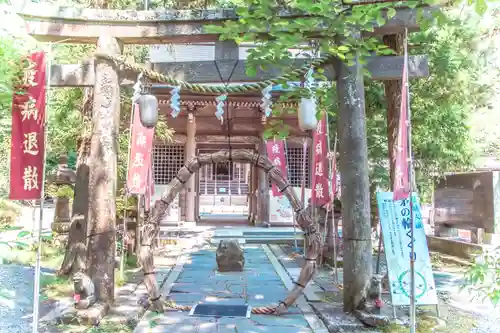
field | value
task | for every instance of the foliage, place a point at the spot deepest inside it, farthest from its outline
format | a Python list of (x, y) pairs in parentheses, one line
[(60, 191), (10, 52), (121, 205), (22, 249), (441, 104), (9, 212), (483, 278)]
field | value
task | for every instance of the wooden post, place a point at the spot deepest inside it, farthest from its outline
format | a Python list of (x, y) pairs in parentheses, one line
[(254, 181), (263, 189), (190, 152), (353, 166), (103, 171)]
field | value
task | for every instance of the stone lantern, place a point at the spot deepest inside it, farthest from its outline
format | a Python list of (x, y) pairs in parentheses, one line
[(62, 216)]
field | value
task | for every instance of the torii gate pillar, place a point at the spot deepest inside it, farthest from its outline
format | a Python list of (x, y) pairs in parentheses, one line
[(353, 166), (103, 171)]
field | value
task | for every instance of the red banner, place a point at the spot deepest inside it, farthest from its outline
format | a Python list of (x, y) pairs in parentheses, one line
[(276, 153), (141, 147), (27, 151), (401, 186), (320, 188)]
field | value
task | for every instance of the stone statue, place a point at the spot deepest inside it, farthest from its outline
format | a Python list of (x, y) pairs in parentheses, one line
[(84, 291), (76, 250), (229, 256), (61, 177), (374, 293), (369, 310)]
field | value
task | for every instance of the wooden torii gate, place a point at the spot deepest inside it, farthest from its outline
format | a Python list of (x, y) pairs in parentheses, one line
[(111, 29)]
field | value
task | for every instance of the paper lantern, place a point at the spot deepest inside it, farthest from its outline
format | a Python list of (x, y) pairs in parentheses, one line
[(307, 114), (148, 110)]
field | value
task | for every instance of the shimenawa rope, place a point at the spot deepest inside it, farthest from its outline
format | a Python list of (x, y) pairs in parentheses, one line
[(265, 310), (213, 89)]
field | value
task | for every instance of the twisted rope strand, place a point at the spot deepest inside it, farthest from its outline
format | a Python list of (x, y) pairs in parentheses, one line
[(266, 310), (211, 89)]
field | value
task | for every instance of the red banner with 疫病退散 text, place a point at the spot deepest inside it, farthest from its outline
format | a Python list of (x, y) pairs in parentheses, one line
[(276, 153), (141, 146), (27, 151), (320, 187)]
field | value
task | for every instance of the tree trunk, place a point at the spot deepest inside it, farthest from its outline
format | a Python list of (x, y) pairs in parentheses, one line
[(353, 166), (81, 198), (103, 171), (393, 96), (75, 255)]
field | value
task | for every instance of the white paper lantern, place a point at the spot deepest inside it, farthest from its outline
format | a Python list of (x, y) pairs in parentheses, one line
[(307, 114), (148, 110)]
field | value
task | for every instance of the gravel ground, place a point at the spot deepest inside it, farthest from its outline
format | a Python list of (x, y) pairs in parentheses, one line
[(461, 314), (16, 298)]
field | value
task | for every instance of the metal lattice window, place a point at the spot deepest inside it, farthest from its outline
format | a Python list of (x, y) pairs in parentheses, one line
[(294, 157), (167, 160)]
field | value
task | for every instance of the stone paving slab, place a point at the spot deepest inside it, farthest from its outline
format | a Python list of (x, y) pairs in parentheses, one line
[(293, 269), (182, 322), (258, 285)]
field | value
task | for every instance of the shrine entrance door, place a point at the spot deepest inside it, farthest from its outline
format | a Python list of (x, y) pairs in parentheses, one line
[(223, 191)]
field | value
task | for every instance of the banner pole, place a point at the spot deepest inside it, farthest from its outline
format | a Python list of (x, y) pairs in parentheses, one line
[(303, 190), (410, 183), (326, 227), (36, 292), (335, 230), (122, 250), (125, 203), (379, 250)]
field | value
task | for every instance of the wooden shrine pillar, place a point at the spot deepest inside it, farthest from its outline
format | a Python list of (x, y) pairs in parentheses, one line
[(254, 183), (263, 188), (103, 171), (190, 152), (248, 178), (353, 166)]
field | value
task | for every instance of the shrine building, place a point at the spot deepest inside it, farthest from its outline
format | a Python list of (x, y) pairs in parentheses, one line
[(230, 192)]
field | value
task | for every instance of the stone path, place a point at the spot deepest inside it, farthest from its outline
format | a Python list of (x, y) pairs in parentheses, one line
[(16, 298), (258, 285)]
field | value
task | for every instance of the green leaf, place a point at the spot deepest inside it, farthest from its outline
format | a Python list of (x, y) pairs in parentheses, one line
[(316, 9), (241, 11), (153, 324), (21, 244), (13, 228), (251, 71), (5, 243), (380, 20), (23, 234), (343, 49), (481, 7), (391, 12)]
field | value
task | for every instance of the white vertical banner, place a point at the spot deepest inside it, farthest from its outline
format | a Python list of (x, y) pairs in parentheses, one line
[(396, 230), (280, 209)]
